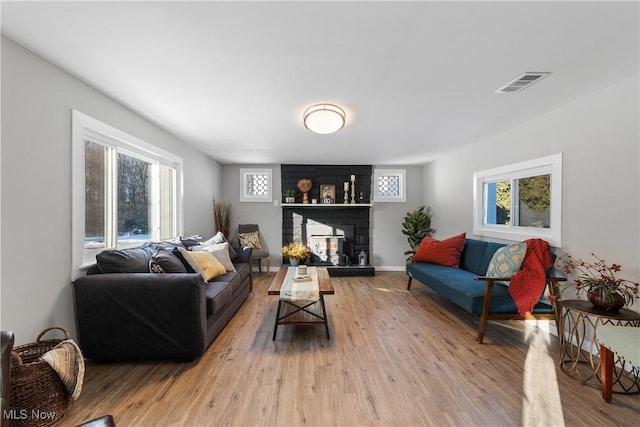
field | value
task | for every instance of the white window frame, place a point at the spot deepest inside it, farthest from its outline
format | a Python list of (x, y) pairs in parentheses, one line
[(245, 196), (85, 127), (551, 165), (401, 174)]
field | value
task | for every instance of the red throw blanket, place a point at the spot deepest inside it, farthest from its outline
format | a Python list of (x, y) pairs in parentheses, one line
[(528, 283)]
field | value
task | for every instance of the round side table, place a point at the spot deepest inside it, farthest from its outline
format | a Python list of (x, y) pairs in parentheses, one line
[(579, 349)]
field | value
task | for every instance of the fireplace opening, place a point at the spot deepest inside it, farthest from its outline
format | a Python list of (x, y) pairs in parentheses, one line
[(329, 244)]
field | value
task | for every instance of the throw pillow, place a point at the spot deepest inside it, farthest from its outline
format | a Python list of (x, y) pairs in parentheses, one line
[(507, 261), (133, 260), (443, 252), (154, 267), (187, 242), (217, 239), (250, 240), (168, 262), (221, 252), (209, 264)]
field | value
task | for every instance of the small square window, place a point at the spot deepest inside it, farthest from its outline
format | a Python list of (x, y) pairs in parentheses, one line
[(389, 185), (255, 185)]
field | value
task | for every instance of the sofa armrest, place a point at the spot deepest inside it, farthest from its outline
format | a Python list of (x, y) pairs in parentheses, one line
[(552, 282), (244, 255), (141, 316)]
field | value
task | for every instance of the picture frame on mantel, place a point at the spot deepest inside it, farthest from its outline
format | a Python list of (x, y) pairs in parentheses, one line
[(327, 194)]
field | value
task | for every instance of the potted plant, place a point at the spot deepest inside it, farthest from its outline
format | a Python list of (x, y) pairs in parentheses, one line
[(290, 195), (416, 226), (598, 279), (295, 252)]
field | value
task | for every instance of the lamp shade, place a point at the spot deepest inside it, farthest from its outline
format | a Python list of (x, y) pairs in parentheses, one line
[(324, 118)]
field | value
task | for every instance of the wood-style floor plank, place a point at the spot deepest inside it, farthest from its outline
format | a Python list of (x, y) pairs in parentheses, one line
[(395, 358)]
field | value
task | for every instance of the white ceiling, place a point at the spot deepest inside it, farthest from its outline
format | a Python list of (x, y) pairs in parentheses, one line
[(415, 78)]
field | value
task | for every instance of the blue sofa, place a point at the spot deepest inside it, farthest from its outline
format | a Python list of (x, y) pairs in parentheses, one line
[(463, 286)]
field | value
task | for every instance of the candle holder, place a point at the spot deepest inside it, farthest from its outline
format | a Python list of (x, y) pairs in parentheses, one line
[(346, 192), (353, 193)]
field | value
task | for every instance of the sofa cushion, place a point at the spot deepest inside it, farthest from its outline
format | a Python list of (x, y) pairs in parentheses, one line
[(219, 296), (442, 252), (133, 260), (506, 261), (243, 269), (232, 278), (220, 251)]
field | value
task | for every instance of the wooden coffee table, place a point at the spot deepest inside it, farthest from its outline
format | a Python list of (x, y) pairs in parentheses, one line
[(289, 313)]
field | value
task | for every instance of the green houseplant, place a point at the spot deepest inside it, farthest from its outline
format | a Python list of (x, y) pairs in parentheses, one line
[(416, 226), (290, 195), (598, 280)]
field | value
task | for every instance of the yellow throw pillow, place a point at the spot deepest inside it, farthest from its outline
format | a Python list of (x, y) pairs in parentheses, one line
[(203, 263), (209, 264)]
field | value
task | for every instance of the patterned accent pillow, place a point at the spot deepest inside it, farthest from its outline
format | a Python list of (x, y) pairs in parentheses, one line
[(154, 267), (507, 261), (250, 240)]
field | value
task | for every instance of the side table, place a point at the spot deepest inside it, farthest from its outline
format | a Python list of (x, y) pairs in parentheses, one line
[(583, 364)]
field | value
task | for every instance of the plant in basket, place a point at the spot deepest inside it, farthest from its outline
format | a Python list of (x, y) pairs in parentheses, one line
[(598, 280)]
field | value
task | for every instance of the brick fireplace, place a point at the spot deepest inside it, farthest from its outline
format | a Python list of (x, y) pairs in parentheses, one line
[(336, 233)]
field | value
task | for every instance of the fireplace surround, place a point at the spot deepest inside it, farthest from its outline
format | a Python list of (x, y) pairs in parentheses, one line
[(336, 233)]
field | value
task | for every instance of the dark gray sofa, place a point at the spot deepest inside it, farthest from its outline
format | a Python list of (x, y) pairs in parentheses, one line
[(144, 315)]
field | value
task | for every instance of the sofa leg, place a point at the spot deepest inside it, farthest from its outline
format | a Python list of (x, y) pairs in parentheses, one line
[(482, 325), (409, 283)]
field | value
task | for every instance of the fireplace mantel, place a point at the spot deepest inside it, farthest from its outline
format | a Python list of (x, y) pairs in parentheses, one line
[(327, 205)]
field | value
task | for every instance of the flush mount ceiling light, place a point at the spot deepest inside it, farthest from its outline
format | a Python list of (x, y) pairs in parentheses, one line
[(324, 118)]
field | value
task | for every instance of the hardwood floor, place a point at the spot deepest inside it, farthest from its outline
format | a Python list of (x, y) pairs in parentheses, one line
[(395, 358)]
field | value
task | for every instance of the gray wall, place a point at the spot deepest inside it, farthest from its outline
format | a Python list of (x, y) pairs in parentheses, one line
[(388, 242), (599, 136), (37, 99)]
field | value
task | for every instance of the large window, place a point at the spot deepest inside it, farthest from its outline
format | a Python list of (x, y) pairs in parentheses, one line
[(520, 201), (126, 191)]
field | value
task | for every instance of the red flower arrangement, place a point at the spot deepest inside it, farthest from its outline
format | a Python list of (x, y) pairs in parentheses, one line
[(598, 279)]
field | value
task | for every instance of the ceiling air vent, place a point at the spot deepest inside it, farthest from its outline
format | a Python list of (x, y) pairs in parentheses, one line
[(522, 82)]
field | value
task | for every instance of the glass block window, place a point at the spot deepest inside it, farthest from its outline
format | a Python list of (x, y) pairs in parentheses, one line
[(389, 185), (255, 185)]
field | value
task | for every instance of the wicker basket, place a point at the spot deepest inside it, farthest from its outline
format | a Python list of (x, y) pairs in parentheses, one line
[(38, 395)]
